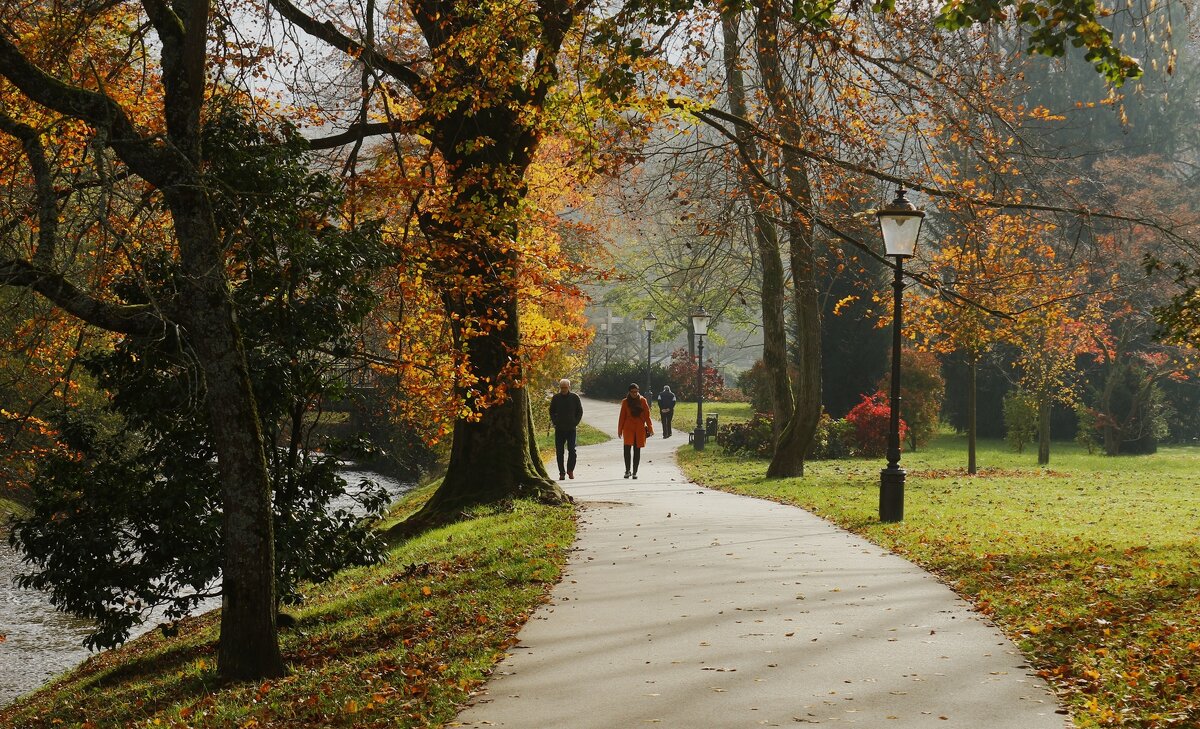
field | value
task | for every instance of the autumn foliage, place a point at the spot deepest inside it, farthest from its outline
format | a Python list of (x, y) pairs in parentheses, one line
[(682, 372), (871, 423)]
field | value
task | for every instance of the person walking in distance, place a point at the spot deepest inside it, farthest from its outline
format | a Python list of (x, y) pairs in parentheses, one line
[(634, 425), (666, 409), (565, 412)]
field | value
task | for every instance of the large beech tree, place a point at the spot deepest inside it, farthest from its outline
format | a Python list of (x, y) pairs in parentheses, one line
[(481, 88)]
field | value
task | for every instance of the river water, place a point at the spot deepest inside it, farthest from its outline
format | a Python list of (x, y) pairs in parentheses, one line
[(37, 642)]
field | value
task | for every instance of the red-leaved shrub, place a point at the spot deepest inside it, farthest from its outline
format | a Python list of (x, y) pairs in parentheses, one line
[(870, 419)]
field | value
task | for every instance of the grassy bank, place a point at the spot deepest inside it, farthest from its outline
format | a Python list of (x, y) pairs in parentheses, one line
[(1091, 565), (399, 645), (8, 508)]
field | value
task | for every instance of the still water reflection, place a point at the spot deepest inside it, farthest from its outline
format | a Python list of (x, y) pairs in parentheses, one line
[(41, 642)]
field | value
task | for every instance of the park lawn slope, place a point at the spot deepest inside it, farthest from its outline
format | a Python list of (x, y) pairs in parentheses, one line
[(1092, 566), (401, 644)]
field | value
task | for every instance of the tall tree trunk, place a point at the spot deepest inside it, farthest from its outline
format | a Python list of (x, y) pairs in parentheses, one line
[(249, 645), (1043, 430), (493, 456), (797, 435), (972, 433), (766, 236), (1111, 426)]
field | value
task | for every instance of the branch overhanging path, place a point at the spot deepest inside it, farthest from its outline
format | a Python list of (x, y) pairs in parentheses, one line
[(684, 606)]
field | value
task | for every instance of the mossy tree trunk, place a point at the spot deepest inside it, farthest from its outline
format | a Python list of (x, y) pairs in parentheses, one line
[(797, 435), (766, 235), (248, 647), (493, 456)]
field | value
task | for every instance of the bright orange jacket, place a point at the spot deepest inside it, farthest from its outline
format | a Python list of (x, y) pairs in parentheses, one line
[(633, 428)]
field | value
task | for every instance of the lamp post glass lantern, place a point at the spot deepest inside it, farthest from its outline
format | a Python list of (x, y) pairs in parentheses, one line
[(700, 327), (649, 322), (900, 225)]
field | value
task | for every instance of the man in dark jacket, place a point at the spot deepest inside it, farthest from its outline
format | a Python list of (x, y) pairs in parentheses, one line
[(666, 409), (565, 412)]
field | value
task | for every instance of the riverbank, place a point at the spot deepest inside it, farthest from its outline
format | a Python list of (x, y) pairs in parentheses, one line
[(38, 643), (398, 644)]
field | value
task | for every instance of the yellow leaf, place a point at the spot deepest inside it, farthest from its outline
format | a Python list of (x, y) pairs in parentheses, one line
[(426, 591)]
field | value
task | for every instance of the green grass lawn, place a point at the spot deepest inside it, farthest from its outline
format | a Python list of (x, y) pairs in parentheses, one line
[(400, 644), (685, 414), (585, 435), (1091, 565), (8, 508)]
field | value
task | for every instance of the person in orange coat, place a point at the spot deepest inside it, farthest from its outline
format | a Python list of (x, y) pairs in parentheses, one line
[(634, 425)]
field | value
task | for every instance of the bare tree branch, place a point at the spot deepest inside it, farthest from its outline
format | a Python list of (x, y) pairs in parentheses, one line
[(325, 31), (710, 114)]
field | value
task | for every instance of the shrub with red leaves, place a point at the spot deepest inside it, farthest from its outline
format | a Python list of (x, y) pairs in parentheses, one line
[(870, 419)]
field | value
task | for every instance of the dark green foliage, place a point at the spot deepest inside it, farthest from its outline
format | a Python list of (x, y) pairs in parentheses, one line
[(833, 438), (1087, 431), (854, 348), (756, 386), (754, 437), (111, 536), (1133, 412), (922, 390), (612, 382), (753, 383), (991, 387), (1053, 24), (130, 517)]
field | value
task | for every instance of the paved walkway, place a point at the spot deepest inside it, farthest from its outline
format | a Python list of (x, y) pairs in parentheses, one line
[(686, 607)]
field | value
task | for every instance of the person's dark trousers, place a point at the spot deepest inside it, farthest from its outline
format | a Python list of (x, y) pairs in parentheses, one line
[(637, 458), (565, 437), (666, 422)]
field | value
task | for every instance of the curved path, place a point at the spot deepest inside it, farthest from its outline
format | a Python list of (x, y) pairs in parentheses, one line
[(687, 607)]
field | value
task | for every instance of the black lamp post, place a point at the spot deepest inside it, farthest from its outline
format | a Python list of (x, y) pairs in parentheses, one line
[(649, 322), (700, 327), (900, 224)]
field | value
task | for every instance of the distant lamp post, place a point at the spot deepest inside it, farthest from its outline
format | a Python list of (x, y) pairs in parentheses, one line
[(700, 327), (604, 328), (649, 322), (900, 224)]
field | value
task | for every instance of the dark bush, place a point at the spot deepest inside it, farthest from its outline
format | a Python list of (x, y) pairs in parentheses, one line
[(754, 437), (611, 382), (756, 384)]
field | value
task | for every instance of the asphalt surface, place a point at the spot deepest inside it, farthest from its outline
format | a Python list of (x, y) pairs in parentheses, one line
[(687, 607)]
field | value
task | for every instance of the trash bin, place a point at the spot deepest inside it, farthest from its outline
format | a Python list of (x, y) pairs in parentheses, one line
[(710, 426)]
